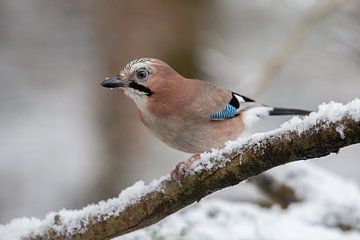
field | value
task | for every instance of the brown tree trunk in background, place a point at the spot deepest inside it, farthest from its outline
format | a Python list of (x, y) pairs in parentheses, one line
[(127, 30)]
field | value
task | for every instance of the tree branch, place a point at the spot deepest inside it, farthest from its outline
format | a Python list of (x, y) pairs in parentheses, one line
[(334, 126), (279, 192)]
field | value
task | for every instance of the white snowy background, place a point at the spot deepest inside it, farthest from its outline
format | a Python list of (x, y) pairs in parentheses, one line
[(53, 111)]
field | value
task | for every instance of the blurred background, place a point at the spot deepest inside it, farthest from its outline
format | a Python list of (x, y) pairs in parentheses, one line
[(66, 142)]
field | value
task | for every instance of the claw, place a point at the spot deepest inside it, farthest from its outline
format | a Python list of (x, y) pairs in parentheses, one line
[(183, 167)]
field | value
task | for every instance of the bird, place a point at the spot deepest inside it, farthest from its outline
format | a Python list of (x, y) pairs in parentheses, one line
[(189, 115)]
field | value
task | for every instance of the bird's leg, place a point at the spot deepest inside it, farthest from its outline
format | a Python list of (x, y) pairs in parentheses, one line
[(182, 167)]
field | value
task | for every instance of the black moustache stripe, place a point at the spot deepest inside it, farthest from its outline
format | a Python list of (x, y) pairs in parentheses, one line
[(141, 88)]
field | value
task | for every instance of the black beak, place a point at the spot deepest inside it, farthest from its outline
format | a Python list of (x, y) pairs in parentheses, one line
[(114, 82)]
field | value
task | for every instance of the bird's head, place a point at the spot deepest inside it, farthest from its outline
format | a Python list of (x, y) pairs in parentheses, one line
[(142, 78)]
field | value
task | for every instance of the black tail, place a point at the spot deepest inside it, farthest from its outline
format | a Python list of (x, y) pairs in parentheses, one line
[(288, 111)]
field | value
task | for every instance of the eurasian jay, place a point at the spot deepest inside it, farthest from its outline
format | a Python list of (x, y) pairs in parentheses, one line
[(187, 114)]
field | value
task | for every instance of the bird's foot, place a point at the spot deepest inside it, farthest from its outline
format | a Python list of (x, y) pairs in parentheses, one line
[(182, 167)]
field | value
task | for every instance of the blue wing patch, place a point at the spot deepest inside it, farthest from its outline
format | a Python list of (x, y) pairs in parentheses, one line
[(231, 109), (227, 112)]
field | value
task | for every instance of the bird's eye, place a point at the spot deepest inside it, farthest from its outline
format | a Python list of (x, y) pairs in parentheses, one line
[(142, 74)]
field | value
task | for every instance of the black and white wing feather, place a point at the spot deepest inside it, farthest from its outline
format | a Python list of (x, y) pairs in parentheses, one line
[(237, 104)]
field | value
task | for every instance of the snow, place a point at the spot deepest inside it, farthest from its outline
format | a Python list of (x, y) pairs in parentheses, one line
[(328, 199), (17, 227), (73, 220), (213, 219), (340, 130)]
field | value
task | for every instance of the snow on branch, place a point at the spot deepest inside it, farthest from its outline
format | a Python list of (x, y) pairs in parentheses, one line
[(329, 210), (334, 126)]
